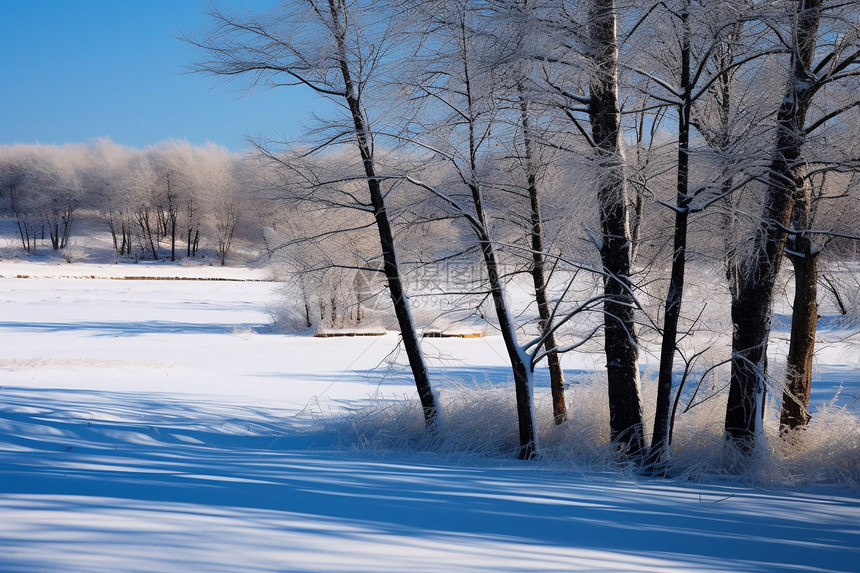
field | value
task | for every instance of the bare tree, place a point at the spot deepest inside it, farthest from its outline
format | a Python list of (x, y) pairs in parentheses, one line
[(330, 48), (326, 255), (469, 105), (139, 181), (458, 117), (45, 190), (16, 167), (621, 342), (786, 181), (581, 69), (105, 182), (538, 271), (682, 82), (518, 20), (212, 189), (226, 227), (835, 75), (683, 199)]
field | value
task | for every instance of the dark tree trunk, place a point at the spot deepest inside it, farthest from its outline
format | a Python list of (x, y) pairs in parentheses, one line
[(127, 238), (803, 254), (54, 232), (804, 316), (751, 322), (751, 309), (556, 375), (520, 362), (24, 229), (151, 241), (146, 228), (522, 370), (173, 237), (672, 310), (621, 343), (391, 268), (67, 217), (113, 234)]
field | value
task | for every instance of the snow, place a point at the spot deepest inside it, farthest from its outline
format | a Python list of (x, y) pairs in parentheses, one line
[(164, 425)]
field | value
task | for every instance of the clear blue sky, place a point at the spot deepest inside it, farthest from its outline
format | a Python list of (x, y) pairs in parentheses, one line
[(73, 70)]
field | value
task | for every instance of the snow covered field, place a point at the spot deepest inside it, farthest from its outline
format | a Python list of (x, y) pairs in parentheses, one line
[(162, 425)]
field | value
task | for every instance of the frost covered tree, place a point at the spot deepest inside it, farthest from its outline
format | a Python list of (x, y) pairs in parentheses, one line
[(141, 184), (171, 170), (227, 200), (111, 161), (831, 96), (519, 91), (531, 167), (458, 131), (333, 48), (45, 190), (786, 187), (615, 242), (316, 242), (170, 191), (579, 65), (682, 100), (469, 101), (15, 168)]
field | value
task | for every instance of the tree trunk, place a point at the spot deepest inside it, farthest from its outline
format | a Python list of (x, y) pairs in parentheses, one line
[(113, 233), (127, 238), (751, 309), (621, 344), (67, 226), (556, 375), (803, 254), (146, 228), (24, 229), (520, 365), (391, 268), (672, 310), (804, 316), (151, 241), (520, 362)]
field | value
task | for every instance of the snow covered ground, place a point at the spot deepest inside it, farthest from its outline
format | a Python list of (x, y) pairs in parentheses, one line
[(163, 425)]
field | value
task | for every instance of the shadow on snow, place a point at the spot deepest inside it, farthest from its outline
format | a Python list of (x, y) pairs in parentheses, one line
[(116, 460)]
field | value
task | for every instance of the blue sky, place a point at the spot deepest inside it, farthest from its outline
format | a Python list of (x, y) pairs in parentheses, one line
[(72, 71)]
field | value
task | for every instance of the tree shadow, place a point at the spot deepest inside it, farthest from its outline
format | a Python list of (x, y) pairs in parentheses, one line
[(136, 482)]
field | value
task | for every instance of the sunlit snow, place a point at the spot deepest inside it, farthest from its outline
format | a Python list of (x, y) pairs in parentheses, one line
[(165, 426)]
